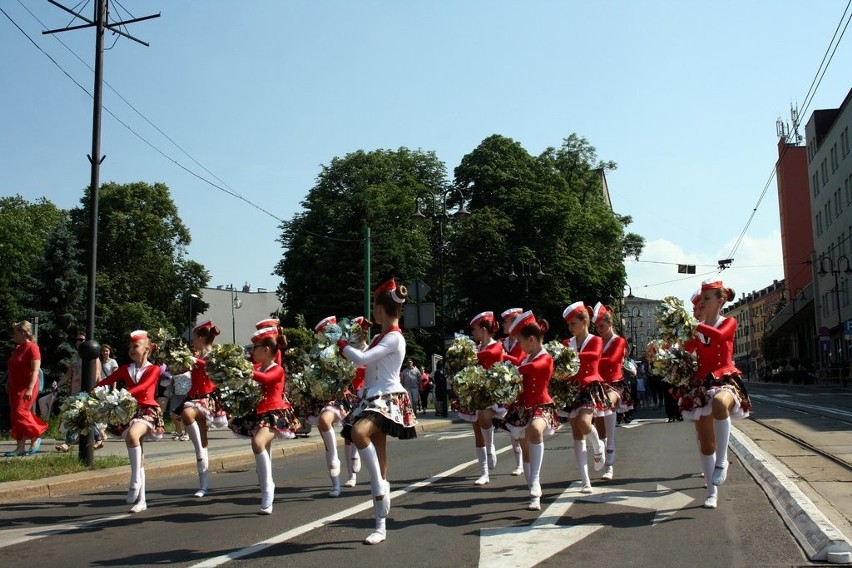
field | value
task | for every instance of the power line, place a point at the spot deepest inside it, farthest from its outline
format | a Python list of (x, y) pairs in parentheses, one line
[(820, 73)]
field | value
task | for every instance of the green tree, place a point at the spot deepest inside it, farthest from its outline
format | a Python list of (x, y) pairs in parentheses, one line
[(322, 266), (143, 276), (24, 228), (57, 288), (549, 209)]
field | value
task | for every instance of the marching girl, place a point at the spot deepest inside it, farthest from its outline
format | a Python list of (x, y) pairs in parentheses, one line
[(334, 412), (720, 395), (489, 351), (591, 399), (140, 378), (385, 408), (199, 409), (533, 414), (611, 370), (273, 417), (513, 353)]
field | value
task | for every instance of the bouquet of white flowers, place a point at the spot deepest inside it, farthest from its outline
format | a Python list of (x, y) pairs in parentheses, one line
[(460, 354), (112, 407), (176, 355), (566, 362), (327, 373), (478, 388), (227, 366), (159, 337), (78, 413), (673, 363), (676, 325)]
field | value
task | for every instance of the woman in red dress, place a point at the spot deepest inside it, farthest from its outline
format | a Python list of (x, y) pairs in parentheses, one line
[(273, 416), (22, 388), (140, 378), (591, 399), (199, 410), (515, 354), (489, 351), (533, 414), (718, 393), (611, 369)]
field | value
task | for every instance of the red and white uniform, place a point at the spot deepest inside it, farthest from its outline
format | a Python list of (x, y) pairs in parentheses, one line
[(611, 369), (141, 382)]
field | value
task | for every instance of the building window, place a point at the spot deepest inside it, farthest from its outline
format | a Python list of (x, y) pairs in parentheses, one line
[(828, 215), (819, 224), (815, 183)]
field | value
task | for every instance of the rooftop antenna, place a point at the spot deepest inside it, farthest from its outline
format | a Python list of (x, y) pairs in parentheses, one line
[(794, 118)]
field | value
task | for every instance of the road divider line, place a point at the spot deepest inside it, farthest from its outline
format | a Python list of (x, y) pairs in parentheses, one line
[(9, 537), (298, 531)]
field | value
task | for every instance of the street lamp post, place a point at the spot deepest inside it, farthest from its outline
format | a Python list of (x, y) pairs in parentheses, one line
[(189, 329), (527, 273), (631, 314), (236, 304), (441, 218), (835, 270)]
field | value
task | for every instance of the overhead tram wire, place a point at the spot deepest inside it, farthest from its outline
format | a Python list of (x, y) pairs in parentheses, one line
[(820, 73), (228, 191)]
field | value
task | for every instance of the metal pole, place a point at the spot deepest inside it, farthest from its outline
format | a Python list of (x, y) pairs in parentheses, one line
[(367, 269), (87, 451)]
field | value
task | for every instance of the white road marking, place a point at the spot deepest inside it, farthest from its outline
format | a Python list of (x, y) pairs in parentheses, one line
[(524, 547), (298, 531), (455, 436), (636, 422), (9, 537)]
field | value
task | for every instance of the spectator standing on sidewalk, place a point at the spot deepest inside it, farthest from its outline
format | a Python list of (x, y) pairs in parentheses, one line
[(22, 388), (425, 388), (411, 383)]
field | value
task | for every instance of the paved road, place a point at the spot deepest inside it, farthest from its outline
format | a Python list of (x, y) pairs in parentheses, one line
[(649, 515)]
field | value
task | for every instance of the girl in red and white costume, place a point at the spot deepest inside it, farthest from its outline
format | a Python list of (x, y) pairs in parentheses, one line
[(515, 354), (533, 414), (719, 393), (591, 399), (611, 369), (273, 417), (333, 413), (385, 408), (140, 378), (199, 410), (489, 351)]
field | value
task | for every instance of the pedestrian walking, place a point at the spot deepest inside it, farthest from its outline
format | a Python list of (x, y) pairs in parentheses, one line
[(22, 389)]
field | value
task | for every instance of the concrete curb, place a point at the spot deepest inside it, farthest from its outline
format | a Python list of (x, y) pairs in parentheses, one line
[(76, 483), (817, 536)]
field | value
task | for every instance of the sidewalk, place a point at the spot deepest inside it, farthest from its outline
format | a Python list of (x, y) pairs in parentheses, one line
[(168, 458)]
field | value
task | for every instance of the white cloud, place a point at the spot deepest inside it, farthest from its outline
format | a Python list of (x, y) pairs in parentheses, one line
[(757, 262)]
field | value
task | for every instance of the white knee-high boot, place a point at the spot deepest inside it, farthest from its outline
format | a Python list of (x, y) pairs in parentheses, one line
[(708, 462), (582, 455), (482, 458), (331, 459), (135, 455), (536, 457), (141, 504), (598, 449), (722, 432), (519, 458), (353, 464), (264, 476), (488, 435), (194, 433), (378, 486)]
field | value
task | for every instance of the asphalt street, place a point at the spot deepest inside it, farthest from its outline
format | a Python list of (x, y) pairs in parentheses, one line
[(649, 515)]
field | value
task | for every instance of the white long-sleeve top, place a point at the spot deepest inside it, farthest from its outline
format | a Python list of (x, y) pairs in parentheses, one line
[(382, 359)]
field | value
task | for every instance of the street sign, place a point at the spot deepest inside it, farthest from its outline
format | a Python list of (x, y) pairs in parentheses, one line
[(418, 290), (418, 315), (847, 327)]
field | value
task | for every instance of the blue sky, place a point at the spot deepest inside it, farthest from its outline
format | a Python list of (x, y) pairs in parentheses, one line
[(682, 95)]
